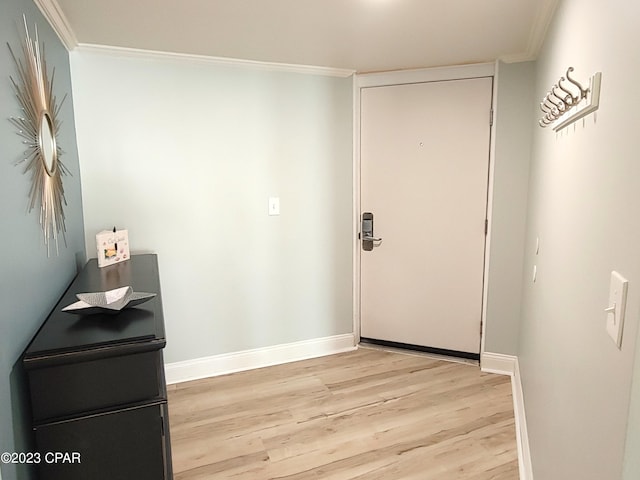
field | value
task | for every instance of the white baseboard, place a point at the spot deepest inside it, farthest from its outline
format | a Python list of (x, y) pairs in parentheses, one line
[(498, 363), (524, 454), (508, 365), (257, 358)]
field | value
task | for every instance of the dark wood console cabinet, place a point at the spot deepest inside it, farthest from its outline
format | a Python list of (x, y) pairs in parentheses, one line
[(97, 383)]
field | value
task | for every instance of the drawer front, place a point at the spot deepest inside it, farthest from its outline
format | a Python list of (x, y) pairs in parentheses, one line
[(71, 389), (123, 445)]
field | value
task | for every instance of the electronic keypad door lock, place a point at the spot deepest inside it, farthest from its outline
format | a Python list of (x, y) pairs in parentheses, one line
[(368, 239)]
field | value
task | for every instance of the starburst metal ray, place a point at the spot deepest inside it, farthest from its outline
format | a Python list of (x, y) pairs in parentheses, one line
[(33, 89)]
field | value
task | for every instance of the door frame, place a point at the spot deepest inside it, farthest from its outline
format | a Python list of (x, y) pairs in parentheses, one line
[(406, 77)]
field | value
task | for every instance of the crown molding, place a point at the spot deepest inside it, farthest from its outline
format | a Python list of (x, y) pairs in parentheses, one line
[(223, 61), (540, 26), (55, 16), (58, 21), (537, 34), (518, 57)]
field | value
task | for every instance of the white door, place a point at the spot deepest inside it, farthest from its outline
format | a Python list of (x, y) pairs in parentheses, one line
[(424, 175)]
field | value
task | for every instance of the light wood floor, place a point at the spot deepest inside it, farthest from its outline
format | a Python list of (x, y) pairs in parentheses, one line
[(364, 415)]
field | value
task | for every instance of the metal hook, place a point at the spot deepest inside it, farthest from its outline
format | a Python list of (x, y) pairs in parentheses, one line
[(566, 99), (554, 116), (562, 98), (570, 99), (557, 101), (551, 108), (548, 119), (583, 91), (559, 106)]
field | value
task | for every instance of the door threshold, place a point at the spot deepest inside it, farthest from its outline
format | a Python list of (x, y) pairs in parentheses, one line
[(430, 352)]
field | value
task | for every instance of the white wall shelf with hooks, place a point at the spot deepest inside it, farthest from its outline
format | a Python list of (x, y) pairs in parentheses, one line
[(568, 101)]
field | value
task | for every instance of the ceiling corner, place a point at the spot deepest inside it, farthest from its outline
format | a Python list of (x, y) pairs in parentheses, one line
[(58, 21), (539, 28), (517, 57), (255, 64)]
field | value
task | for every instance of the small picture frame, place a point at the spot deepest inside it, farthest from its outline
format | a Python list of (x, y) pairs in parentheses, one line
[(112, 247)]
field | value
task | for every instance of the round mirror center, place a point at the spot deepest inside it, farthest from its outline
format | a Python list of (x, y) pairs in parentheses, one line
[(47, 143)]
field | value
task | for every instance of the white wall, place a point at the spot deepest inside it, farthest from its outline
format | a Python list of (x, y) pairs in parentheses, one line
[(632, 454), (585, 207), (513, 130), (185, 155)]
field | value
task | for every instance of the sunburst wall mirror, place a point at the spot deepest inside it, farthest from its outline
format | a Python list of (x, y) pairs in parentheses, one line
[(38, 126)]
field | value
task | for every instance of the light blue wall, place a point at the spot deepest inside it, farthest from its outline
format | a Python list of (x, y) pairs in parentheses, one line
[(194, 150), (584, 206), (30, 282), (509, 205), (632, 455)]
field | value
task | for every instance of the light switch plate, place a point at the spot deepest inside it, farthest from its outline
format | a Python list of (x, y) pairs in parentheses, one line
[(618, 300)]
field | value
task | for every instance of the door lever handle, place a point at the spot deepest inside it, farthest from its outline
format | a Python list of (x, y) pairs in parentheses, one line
[(366, 233)]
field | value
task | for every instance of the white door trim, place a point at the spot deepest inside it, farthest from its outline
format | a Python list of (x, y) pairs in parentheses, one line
[(402, 78), (487, 241), (356, 209)]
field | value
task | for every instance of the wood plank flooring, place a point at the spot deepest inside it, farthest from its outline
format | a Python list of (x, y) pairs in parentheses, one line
[(363, 415)]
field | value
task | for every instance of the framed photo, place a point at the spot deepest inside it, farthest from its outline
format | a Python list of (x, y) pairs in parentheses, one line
[(112, 246)]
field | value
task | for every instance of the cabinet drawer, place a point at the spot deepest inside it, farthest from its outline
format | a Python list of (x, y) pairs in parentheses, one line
[(69, 389), (123, 445)]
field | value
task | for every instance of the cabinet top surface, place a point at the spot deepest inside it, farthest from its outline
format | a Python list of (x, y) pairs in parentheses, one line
[(64, 333)]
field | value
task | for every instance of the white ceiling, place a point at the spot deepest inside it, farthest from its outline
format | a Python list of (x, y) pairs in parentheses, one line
[(360, 35)]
